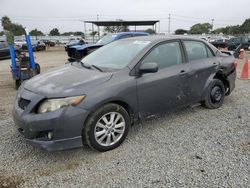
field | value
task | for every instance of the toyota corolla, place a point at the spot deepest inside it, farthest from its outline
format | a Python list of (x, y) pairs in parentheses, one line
[(95, 101)]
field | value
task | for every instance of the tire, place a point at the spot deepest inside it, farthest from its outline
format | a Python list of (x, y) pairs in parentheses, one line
[(38, 69), (215, 94), (109, 137)]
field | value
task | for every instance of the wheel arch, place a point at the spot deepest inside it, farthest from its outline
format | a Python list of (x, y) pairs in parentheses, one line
[(126, 105), (220, 76)]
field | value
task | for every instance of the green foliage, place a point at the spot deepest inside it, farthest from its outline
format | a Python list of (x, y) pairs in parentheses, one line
[(181, 31), (1, 33), (16, 29), (93, 33), (200, 28), (150, 31), (77, 33), (236, 29), (54, 32), (36, 32), (245, 27)]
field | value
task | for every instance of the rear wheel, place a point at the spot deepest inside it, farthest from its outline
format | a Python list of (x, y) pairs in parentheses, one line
[(107, 128), (215, 94)]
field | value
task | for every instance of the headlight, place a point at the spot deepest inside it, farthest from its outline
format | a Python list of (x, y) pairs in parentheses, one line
[(50, 105)]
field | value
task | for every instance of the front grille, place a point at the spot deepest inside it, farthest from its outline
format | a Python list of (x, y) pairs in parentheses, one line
[(23, 103)]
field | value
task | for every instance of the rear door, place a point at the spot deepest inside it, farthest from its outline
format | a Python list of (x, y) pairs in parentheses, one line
[(167, 88), (202, 64)]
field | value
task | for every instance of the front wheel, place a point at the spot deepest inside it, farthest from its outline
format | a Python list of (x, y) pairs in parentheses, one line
[(215, 94), (107, 128)]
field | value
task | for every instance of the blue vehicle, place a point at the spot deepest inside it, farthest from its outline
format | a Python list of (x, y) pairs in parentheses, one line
[(77, 52)]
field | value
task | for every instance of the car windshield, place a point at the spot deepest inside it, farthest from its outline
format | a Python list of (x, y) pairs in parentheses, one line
[(115, 55), (73, 42), (107, 39)]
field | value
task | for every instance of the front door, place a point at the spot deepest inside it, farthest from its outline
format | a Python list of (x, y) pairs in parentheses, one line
[(167, 88)]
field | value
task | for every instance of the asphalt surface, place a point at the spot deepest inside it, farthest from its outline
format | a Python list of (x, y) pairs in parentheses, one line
[(192, 147)]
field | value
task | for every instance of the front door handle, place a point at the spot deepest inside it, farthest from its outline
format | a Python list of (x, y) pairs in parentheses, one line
[(215, 64), (182, 73)]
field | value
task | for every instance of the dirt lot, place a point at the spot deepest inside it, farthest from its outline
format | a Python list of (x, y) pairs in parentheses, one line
[(192, 147)]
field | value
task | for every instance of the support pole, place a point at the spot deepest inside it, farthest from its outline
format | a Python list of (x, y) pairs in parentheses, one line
[(13, 57), (85, 30), (169, 21), (93, 33), (30, 50)]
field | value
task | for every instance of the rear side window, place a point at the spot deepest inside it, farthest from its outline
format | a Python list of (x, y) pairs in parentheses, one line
[(165, 55), (196, 50)]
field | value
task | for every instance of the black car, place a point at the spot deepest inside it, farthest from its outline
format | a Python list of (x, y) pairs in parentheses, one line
[(48, 42), (74, 42), (77, 52), (95, 101), (244, 41), (4, 50)]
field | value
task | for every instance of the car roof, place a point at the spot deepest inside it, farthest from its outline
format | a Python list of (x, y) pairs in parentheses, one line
[(157, 38), (124, 33)]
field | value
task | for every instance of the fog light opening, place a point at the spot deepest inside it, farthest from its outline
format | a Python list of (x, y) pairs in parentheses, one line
[(50, 135)]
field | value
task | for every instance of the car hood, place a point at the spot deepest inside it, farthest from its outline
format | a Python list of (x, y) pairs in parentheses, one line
[(65, 81)]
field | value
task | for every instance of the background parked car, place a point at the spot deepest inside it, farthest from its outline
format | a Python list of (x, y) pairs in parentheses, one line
[(74, 42), (4, 50), (36, 46), (77, 52), (234, 42), (48, 42)]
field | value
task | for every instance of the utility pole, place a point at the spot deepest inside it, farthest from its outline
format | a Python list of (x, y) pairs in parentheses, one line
[(212, 24), (169, 21)]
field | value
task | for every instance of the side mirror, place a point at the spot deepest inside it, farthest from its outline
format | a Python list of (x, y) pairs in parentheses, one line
[(148, 68)]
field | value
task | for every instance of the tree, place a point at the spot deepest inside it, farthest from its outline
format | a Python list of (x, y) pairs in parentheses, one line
[(93, 33), (76, 33), (245, 27), (36, 32), (54, 32), (200, 28), (181, 31), (1, 33), (150, 31), (16, 29)]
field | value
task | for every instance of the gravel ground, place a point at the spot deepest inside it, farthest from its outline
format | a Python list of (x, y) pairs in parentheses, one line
[(192, 147)]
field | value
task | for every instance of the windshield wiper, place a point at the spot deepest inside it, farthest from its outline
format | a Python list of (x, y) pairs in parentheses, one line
[(98, 68), (85, 65)]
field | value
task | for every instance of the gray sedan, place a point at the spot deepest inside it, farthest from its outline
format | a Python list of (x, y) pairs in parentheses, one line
[(95, 101)]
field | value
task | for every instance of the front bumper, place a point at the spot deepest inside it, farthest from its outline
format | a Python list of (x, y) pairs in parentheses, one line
[(65, 124)]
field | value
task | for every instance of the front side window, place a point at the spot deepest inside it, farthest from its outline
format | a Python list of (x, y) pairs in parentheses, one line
[(195, 50), (165, 55)]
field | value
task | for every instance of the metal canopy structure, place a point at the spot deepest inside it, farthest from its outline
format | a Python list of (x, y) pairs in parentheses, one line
[(121, 23)]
